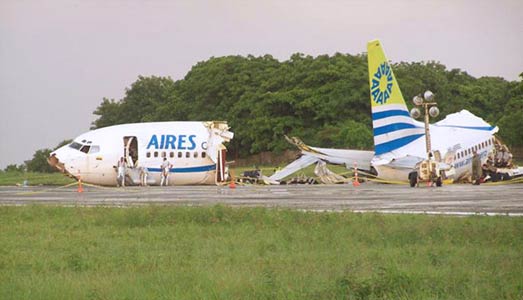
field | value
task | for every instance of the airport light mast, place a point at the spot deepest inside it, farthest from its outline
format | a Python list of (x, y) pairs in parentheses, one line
[(430, 108)]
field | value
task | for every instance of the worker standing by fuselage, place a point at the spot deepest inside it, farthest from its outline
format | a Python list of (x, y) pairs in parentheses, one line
[(120, 168), (165, 170)]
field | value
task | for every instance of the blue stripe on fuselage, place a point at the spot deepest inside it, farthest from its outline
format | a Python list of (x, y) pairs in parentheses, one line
[(395, 144), (468, 160), (186, 170)]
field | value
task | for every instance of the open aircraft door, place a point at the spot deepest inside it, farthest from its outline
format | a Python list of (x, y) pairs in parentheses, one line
[(220, 166), (130, 151)]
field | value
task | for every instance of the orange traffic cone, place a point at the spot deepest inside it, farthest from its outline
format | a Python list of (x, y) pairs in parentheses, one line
[(355, 182), (232, 184)]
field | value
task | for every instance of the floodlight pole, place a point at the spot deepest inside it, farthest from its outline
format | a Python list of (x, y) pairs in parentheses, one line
[(427, 128), (427, 101), (426, 106)]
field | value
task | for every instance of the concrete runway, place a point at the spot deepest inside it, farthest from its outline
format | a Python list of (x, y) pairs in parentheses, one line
[(460, 199)]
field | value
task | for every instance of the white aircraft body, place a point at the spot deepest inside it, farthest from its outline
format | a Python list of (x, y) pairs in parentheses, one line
[(399, 140), (195, 150)]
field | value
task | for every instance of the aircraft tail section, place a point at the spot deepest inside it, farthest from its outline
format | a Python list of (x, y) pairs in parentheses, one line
[(392, 124)]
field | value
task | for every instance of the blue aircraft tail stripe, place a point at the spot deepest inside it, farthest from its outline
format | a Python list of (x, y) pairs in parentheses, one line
[(186, 170), (395, 144), (389, 113), (393, 127)]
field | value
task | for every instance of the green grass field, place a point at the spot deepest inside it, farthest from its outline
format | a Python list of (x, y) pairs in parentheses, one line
[(255, 253), (17, 178)]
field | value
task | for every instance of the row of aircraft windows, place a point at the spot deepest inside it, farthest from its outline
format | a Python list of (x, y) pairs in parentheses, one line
[(195, 154), (476, 148)]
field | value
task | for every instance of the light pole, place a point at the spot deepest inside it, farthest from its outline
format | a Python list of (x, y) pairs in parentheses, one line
[(430, 108)]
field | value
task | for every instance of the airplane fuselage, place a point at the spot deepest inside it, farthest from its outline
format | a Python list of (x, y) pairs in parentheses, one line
[(93, 156)]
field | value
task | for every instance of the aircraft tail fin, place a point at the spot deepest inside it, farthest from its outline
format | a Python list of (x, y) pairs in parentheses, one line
[(393, 127)]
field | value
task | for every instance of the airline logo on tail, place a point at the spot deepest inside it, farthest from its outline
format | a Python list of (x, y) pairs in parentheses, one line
[(393, 126), (381, 87)]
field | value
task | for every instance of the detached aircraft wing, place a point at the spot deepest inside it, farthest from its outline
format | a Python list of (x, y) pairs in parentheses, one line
[(311, 155), (335, 156), (301, 163)]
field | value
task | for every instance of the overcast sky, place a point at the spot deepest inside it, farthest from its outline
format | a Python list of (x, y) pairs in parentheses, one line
[(58, 59)]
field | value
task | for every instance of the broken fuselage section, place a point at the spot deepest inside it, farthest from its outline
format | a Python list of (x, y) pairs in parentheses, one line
[(195, 150)]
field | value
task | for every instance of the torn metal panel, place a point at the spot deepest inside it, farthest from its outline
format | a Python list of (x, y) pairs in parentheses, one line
[(327, 176), (218, 134), (295, 166), (335, 156)]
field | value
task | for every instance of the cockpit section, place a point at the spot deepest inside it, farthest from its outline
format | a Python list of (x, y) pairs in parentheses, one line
[(85, 147), (72, 158)]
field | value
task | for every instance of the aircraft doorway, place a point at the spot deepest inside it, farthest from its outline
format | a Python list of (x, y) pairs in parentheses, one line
[(220, 166), (130, 151)]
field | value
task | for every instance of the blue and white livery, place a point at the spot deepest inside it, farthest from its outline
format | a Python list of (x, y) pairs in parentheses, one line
[(194, 149), (399, 140)]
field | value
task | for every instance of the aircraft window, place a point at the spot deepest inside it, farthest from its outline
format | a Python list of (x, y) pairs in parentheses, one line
[(195, 155), (83, 141), (179, 154), (155, 153), (75, 145), (148, 154), (204, 154), (187, 154), (163, 154), (94, 149), (171, 154), (85, 149)]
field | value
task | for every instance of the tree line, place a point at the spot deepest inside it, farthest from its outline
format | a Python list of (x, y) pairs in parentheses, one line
[(324, 100)]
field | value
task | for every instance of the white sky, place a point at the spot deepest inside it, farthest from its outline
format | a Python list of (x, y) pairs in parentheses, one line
[(58, 59)]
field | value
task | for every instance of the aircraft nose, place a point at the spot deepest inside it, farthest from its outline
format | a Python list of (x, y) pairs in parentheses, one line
[(55, 162)]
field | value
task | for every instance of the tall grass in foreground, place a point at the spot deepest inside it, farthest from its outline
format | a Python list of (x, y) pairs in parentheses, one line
[(254, 253)]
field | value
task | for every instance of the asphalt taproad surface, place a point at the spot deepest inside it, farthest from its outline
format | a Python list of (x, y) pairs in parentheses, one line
[(455, 199)]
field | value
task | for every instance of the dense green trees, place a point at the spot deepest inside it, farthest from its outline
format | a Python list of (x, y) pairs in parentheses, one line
[(324, 99)]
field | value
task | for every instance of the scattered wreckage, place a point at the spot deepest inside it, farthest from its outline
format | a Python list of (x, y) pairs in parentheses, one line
[(498, 167)]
